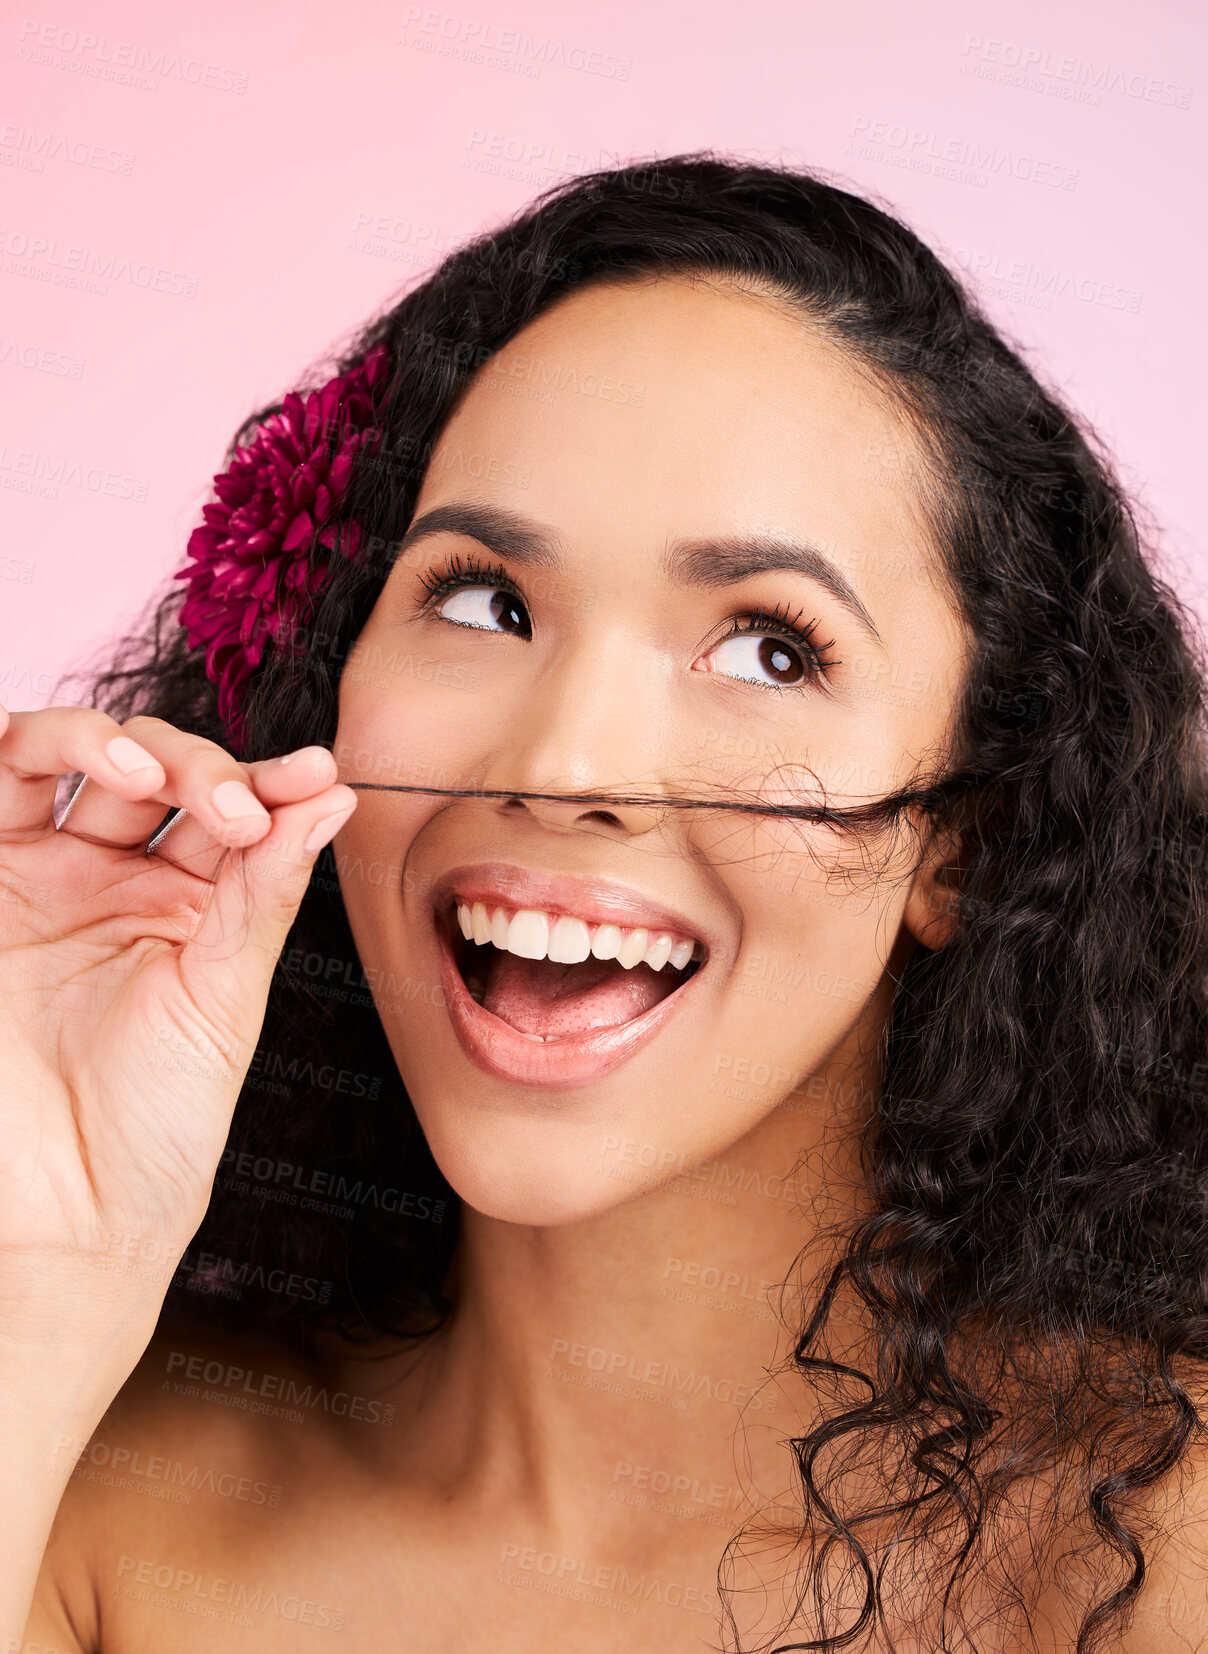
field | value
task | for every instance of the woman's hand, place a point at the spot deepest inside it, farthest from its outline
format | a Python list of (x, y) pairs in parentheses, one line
[(133, 988)]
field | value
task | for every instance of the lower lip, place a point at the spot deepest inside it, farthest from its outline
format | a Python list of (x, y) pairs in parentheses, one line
[(506, 1054)]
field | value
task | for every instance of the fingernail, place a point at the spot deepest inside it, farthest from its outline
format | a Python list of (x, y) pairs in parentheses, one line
[(126, 755), (288, 758), (236, 802), (324, 831)]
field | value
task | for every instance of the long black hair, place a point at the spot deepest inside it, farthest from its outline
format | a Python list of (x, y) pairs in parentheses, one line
[(1033, 1270)]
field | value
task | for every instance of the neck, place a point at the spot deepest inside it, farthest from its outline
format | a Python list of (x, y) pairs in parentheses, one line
[(623, 1360)]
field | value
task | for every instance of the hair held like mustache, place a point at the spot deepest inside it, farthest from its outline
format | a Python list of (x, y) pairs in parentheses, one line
[(878, 813)]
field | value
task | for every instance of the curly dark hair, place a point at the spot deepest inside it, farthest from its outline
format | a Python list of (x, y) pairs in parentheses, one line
[(1034, 1269)]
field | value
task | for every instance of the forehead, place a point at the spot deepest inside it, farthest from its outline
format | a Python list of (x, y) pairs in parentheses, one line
[(630, 414)]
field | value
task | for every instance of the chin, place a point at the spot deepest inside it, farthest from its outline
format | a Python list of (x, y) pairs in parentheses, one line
[(523, 1170)]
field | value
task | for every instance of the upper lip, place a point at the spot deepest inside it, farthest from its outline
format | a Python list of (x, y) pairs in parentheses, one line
[(598, 901)]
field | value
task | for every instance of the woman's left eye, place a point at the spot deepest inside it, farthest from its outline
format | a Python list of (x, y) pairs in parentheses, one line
[(755, 653), (490, 608), (750, 657)]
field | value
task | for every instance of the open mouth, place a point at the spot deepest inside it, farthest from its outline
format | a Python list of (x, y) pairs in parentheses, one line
[(553, 977)]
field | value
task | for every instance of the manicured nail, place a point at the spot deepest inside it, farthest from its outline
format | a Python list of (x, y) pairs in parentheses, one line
[(126, 755), (236, 802), (301, 752), (324, 831)]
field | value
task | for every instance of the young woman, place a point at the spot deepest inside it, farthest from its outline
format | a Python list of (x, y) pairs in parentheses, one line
[(611, 1050)]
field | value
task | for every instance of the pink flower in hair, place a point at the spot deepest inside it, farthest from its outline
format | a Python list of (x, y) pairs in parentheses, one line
[(249, 574)]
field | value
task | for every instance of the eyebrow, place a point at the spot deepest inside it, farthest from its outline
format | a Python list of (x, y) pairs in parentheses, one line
[(710, 563)]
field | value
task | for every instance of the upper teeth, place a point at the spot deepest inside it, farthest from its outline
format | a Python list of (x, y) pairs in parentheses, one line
[(534, 934)]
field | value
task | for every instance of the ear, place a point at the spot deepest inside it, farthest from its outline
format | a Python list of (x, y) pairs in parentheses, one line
[(932, 907)]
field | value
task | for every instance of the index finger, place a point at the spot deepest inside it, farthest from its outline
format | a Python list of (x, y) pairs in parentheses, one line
[(36, 748), (288, 779)]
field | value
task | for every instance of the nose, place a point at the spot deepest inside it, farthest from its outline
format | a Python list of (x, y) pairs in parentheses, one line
[(585, 733), (612, 813)]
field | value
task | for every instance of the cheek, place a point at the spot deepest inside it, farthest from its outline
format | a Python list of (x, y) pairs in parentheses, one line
[(410, 715), (821, 953), (818, 926)]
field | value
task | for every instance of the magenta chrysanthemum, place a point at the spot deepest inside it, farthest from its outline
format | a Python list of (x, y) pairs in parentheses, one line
[(249, 577)]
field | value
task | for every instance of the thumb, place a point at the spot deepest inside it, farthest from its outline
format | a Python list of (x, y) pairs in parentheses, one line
[(230, 958)]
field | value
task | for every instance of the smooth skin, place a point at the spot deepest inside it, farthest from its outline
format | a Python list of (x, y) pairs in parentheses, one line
[(544, 1451)]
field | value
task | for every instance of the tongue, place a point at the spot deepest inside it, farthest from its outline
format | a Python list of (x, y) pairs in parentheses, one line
[(537, 996)]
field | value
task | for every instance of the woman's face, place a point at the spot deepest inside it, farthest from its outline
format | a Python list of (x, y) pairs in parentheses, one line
[(669, 546)]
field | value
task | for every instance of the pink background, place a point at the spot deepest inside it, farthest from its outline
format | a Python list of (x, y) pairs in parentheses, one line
[(259, 178)]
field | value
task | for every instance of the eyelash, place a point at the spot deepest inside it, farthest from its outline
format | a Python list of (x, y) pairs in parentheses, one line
[(459, 572)]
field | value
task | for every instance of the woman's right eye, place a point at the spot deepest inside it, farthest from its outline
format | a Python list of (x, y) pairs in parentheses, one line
[(488, 608)]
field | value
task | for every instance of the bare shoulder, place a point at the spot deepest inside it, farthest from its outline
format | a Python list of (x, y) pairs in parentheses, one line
[(1172, 1609), (192, 1465), (1057, 1542), (194, 1398)]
